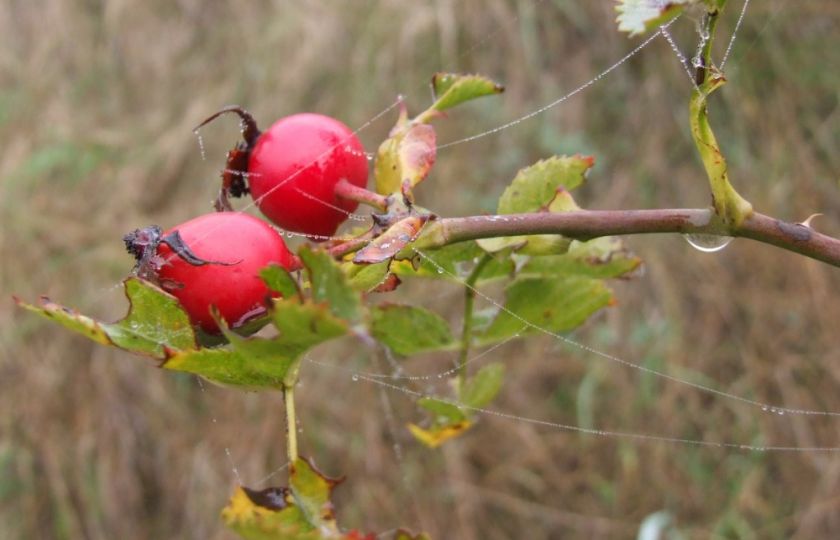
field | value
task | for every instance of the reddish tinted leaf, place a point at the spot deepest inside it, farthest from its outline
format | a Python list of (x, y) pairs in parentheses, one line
[(392, 241), (405, 158), (417, 152)]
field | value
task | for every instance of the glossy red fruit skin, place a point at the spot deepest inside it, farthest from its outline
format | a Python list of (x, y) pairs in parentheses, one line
[(306, 154), (246, 244)]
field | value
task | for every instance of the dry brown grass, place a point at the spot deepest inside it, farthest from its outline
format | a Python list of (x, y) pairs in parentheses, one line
[(97, 100)]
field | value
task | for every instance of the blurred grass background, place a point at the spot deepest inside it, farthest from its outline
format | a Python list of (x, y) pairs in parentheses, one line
[(97, 103)]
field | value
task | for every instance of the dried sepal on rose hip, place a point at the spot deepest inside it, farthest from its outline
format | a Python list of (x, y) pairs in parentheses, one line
[(212, 260), (295, 171)]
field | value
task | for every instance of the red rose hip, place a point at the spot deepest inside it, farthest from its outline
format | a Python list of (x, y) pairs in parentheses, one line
[(213, 260), (294, 168), (299, 172)]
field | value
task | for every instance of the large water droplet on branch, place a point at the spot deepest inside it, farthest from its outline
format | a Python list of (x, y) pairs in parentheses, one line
[(708, 243)]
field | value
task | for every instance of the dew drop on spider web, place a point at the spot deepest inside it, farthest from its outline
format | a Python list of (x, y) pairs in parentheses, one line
[(200, 144), (707, 243)]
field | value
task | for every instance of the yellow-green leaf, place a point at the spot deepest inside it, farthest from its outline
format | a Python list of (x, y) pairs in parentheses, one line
[(481, 388), (542, 187), (554, 304), (454, 262), (278, 279), (329, 284), (366, 277), (155, 321), (535, 187), (452, 89), (258, 363), (444, 413), (302, 511), (603, 258), (408, 330)]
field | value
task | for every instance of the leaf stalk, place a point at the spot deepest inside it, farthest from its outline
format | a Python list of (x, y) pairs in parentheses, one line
[(291, 423), (469, 303)]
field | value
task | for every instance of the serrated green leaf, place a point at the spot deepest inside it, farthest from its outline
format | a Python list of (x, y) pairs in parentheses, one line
[(452, 259), (155, 321), (303, 511), (496, 245), (481, 388), (640, 16), (456, 262), (278, 279), (602, 258), (553, 304), (562, 202), (408, 330), (254, 522), (542, 187), (443, 412), (452, 89), (330, 285), (535, 244), (264, 362), (311, 491), (366, 277), (535, 187)]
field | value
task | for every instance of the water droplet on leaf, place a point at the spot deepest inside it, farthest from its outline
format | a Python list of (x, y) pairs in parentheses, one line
[(708, 243)]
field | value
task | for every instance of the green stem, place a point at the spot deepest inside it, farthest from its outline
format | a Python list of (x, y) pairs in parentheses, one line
[(469, 302), (730, 208), (707, 28), (291, 423)]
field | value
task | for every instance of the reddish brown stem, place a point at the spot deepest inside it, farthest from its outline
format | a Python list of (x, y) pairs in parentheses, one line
[(340, 250), (352, 192), (587, 224)]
